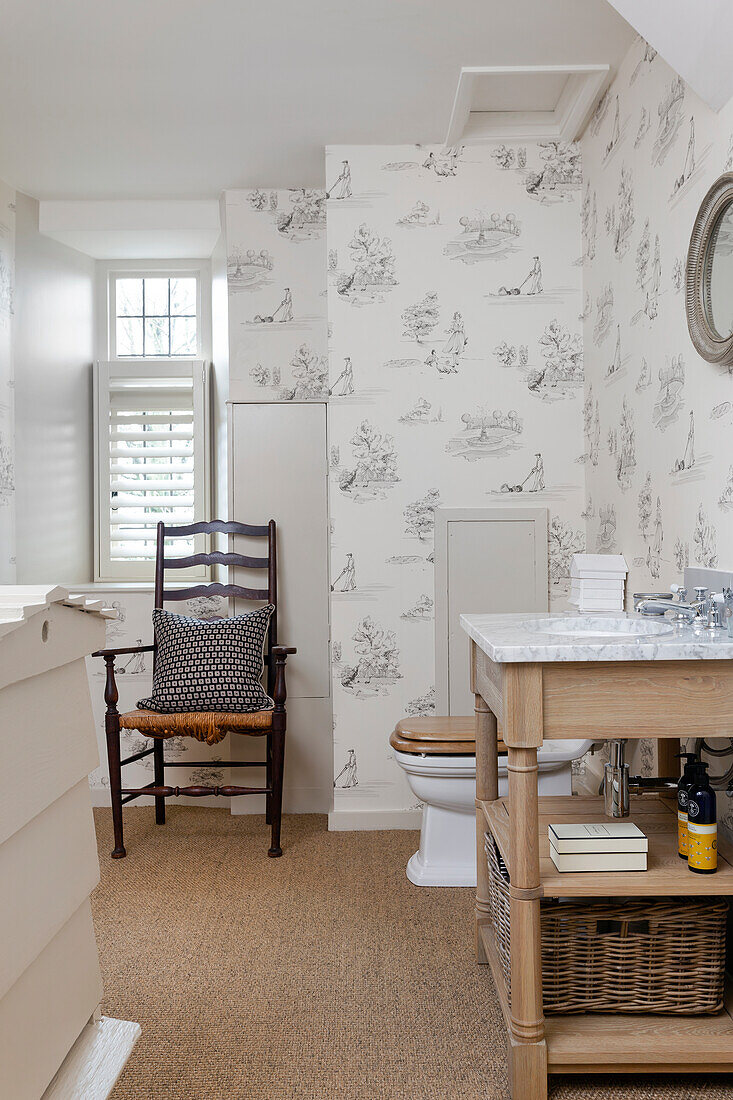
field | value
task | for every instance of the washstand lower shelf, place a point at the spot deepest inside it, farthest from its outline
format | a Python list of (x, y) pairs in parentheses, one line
[(619, 1043), (666, 875)]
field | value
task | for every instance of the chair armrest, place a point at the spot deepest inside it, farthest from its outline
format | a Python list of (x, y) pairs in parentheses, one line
[(279, 692), (124, 649), (111, 694)]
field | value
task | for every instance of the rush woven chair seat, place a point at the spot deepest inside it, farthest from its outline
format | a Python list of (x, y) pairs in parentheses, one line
[(209, 726)]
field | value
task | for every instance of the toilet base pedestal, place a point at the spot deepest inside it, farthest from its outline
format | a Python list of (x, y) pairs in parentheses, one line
[(447, 852), (445, 836)]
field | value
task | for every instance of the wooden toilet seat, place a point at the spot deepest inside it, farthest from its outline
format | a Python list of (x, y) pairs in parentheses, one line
[(444, 736)]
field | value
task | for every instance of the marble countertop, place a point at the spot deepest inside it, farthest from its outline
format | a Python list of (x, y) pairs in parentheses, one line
[(527, 637)]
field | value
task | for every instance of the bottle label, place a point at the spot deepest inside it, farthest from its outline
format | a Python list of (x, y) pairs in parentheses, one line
[(702, 846), (682, 799), (682, 833)]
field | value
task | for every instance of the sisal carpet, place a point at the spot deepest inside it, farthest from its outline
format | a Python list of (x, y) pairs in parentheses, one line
[(323, 975)]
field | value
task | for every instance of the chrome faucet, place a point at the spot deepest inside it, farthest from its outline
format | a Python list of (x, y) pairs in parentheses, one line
[(683, 612), (704, 608)]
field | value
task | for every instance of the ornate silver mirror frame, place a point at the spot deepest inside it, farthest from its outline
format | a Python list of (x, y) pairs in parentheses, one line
[(710, 344)]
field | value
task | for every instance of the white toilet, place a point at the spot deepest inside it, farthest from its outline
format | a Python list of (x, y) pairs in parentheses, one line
[(438, 756)]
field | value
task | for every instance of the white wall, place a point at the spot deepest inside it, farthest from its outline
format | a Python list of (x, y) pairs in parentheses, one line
[(7, 430), (53, 352), (219, 376)]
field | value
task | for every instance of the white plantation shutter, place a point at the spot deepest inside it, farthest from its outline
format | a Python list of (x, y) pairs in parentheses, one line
[(151, 462)]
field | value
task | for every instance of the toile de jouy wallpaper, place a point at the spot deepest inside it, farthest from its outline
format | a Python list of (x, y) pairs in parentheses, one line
[(453, 373), (7, 435), (456, 379), (658, 419), (276, 264), (462, 303)]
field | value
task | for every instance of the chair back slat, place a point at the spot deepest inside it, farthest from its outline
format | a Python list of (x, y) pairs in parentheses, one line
[(215, 589), (219, 527), (216, 557)]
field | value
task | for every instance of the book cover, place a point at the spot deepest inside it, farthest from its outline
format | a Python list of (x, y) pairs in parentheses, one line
[(598, 861), (612, 837), (585, 565), (585, 584)]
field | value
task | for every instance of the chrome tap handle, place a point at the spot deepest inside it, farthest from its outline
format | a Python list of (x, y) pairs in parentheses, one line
[(682, 594), (701, 601)]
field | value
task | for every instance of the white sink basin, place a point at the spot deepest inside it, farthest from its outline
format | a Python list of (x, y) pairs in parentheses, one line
[(598, 626)]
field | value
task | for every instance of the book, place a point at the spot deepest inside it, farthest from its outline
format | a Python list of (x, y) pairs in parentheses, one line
[(598, 565), (598, 861), (584, 603), (601, 584), (591, 576), (606, 837), (611, 598)]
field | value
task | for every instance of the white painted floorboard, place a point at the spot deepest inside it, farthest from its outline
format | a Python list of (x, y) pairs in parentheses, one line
[(91, 1068)]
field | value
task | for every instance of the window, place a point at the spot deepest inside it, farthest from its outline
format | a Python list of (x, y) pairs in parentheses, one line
[(155, 316), (150, 421)]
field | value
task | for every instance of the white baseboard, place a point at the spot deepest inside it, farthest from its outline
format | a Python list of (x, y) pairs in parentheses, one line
[(97, 1058), (296, 800), (342, 821)]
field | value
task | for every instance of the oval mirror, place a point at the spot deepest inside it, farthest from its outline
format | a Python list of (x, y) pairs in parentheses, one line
[(718, 280), (709, 282)]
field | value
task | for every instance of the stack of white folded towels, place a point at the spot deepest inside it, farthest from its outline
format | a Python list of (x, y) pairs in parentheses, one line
[(597, 582)]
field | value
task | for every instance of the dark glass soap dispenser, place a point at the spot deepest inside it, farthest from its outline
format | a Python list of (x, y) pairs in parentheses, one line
[(702, 826), (683, 788)]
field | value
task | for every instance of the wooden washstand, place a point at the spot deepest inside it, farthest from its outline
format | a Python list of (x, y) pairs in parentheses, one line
[(631, 699)]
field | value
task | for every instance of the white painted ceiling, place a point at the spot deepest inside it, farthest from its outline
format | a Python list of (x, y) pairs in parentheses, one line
[(183, 98), (694, 40)]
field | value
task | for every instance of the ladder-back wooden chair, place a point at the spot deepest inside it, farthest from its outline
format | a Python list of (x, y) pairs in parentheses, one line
[(266, 723)]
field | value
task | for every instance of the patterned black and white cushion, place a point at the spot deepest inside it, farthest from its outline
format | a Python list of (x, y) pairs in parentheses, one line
[(211, 665)]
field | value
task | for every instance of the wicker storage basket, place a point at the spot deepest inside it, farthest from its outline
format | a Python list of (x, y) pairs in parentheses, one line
[(651, 955)]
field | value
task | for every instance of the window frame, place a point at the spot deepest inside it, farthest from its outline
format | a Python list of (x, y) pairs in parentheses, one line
[(113, 278), (115, 571), (107, 274)]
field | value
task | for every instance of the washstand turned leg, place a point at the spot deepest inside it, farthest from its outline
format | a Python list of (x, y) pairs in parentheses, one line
[(527, 1047), (487, 789)]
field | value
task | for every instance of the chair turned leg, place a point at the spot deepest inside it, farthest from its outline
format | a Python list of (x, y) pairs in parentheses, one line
[(112, 731), (278, 763), (159, 773), (268, 780)]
